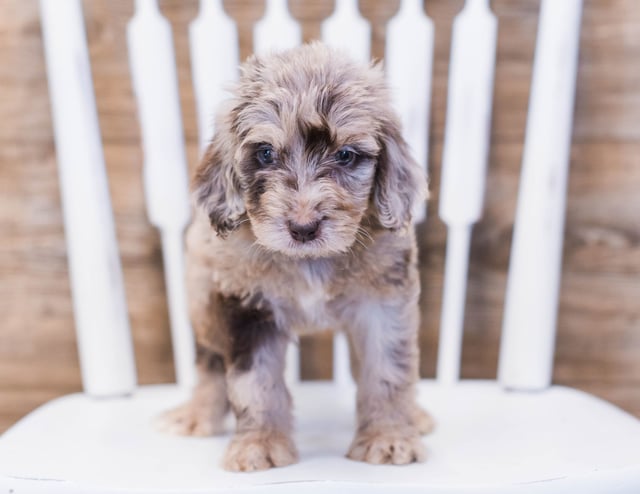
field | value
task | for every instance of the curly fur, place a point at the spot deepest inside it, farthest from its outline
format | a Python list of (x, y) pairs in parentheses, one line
[(253, 284)]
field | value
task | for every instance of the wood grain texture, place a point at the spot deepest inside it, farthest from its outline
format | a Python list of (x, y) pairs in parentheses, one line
[(599, 320)]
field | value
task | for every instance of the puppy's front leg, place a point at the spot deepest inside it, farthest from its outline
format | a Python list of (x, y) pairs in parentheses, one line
[(203, 414), (257, 392), (384, 336)]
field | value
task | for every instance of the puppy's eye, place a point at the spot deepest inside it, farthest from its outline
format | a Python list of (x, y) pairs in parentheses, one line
[(345, 156), (265, 155)]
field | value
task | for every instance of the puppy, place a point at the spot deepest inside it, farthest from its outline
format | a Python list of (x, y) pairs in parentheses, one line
[(303, 210)]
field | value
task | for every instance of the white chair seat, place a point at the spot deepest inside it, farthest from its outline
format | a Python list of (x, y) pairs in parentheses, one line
[(486, 441)]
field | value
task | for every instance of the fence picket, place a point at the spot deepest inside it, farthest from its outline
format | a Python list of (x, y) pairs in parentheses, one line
[(99, 305), (464, 163), (347, 30), (531, 302), (155, 83), (277, 30), (213, 39)]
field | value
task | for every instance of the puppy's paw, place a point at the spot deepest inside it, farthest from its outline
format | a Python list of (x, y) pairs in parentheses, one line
[(191, 420), (397, 447), (423, 420), (251, 451)]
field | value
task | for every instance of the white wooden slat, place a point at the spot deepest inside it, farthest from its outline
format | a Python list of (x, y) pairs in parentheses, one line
[(155, 85), (341, 361), (277, 30), (347, 30), (292, 365), (104, 339), (464, 164), (408, 63), (531, 303), (453, 303), (213, 40)]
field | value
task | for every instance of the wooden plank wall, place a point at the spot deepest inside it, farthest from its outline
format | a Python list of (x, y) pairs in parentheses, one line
[(599, 321)]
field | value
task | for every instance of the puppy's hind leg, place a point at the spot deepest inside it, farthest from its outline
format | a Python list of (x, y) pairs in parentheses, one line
[(203, 414)]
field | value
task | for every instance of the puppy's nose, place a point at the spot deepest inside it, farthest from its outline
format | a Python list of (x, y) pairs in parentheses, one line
[(304, 233)]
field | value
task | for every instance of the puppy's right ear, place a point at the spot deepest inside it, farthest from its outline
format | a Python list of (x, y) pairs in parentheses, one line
[(216, 186)]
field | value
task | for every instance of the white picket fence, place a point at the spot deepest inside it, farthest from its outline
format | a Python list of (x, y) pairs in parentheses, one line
[(107, 360)]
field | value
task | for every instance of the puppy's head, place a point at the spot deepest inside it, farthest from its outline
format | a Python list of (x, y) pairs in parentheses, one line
[(309, 151)]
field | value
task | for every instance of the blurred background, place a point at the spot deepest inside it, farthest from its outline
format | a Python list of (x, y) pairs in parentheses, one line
[(598, 343)]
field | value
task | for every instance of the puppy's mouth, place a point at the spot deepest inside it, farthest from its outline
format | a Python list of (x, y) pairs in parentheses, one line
[(320, 237)]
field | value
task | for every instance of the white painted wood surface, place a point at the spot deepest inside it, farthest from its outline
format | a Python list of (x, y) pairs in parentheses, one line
[(102, 325), (292, 365), (155, 85), (342, 362), (277, 30), (409, 66), (213, 38), (487, 441), (531, 303), (348, 31), (464, 164)]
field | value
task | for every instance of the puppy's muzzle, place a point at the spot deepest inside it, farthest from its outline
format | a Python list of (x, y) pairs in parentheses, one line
[(304, 233)]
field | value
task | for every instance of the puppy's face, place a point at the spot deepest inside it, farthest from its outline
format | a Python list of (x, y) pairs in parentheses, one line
[(306, 168), (308, 151)]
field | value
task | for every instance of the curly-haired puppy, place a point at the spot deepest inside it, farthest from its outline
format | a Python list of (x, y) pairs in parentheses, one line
[(304, 201)]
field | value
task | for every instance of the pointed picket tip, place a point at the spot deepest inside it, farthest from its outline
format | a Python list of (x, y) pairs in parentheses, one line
[(146, 6), (468, 118), (478, 6), (213, 39), (531, 301), (464, 164), (211, 8), (347, 30), (105, 346), (277, 30), (155, 84)]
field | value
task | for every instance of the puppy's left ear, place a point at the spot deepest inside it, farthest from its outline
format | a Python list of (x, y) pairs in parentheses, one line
[(400, 182), (216, 187)]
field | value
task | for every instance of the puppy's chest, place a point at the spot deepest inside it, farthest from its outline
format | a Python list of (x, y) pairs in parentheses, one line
[(309, 304), (313, 308)]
